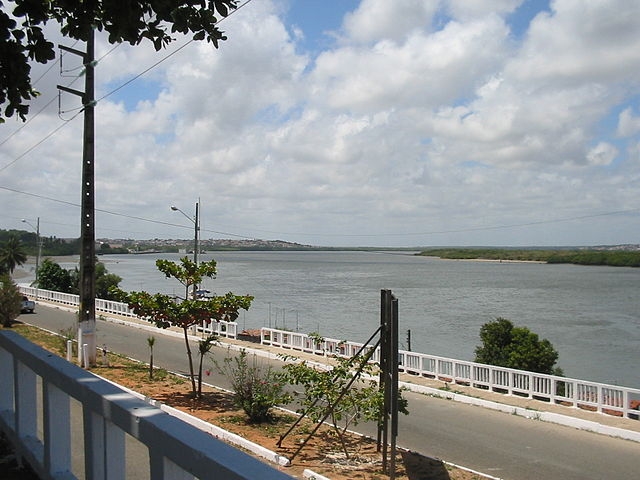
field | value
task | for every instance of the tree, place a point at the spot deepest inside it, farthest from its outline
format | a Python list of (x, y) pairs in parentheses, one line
[(10, 301), (331, 392), (104, 282), (204, 346), (506, 345), (12, 254), (22, 38), (151, 340), (51, 276), (165, 312)]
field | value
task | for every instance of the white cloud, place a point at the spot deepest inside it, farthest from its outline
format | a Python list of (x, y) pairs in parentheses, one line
[(628, 123), (376, 20), (602, 154), (465, 10), (422, 118)]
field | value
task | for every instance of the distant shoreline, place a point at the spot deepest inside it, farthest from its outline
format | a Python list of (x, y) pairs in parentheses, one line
[(589, 257)]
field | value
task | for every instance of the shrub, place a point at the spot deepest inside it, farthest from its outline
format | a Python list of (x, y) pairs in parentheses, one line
[(257, 388)]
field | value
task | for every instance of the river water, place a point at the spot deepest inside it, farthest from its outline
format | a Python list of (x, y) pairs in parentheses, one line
[(591, 315)]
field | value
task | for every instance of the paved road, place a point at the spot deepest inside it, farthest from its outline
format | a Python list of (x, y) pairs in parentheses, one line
[(498, 444)]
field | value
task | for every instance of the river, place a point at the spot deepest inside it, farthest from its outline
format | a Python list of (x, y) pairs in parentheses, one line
[(590, 314)]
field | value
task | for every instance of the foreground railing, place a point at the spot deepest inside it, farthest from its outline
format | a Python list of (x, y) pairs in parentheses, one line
[(110, 307), (600, 397), (36, 415)]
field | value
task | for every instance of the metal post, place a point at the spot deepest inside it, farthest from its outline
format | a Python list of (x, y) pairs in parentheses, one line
[(39, 247), (195, 246), (393, 400)]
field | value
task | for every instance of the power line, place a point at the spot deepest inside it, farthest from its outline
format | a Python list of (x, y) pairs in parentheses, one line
[(145, 71), (117, 214), (34, 146), (339, 235), (79, 109)]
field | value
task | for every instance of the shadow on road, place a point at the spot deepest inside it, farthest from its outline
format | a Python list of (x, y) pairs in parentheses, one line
[(419, 467)]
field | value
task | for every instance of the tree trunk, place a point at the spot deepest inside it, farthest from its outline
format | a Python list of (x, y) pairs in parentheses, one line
[(200, 376), (193, 379)]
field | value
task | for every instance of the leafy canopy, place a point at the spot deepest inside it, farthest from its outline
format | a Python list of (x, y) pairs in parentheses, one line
[(51, 276), (12, 254), (22, 38), (165, 312), (506, 345)]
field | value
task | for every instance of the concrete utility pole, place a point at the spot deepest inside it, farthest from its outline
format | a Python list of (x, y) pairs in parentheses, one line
[(87, 311)]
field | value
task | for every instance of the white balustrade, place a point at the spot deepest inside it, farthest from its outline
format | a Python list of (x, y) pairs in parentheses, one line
[(37, 422), (603, 398), (110, 307)]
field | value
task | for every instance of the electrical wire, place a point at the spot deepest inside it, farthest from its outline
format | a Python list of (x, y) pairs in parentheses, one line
[(79, 109), (34, 146), (339, 235)]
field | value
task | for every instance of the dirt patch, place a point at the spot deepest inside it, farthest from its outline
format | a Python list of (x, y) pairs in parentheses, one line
[(322, 454)]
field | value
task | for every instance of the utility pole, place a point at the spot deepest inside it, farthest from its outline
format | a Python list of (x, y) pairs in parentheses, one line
[(195, 244), (87, 311)]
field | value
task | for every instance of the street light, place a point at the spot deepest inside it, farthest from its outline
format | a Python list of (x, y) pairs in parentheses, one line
[(39, 244), (196, 222)]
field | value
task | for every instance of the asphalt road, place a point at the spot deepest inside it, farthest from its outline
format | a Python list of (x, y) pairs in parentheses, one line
[(498, 444)]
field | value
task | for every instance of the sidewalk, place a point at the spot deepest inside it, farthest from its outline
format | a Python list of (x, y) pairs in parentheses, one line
[(537, 410)]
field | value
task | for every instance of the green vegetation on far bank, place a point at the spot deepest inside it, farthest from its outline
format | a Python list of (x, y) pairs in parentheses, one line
[(615, 258)]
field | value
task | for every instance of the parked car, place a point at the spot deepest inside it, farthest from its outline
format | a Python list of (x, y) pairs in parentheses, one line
[(28, 306)]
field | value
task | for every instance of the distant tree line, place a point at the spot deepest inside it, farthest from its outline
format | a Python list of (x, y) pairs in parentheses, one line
[(51, 246), (615, 258)]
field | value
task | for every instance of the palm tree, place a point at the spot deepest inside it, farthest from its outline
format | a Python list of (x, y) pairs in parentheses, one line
[(12, 254)]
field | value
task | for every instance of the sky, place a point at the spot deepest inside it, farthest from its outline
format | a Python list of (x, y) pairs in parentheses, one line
[(350, 123)]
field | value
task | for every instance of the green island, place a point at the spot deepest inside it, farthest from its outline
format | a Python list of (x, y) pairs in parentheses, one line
[(582, 256)]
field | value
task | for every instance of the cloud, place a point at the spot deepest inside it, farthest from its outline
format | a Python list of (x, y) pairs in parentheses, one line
[(628, 123), (376, 20), (421, 123), (602, 154)]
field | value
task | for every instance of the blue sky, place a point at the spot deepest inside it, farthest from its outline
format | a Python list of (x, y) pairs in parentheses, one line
[(344, 122)]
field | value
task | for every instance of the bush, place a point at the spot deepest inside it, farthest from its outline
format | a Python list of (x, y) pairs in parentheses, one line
[(257, 389), (505, 345)]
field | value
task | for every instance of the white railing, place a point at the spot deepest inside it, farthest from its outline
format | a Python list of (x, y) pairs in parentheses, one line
[(36, 415), (600, 397), (221, 328), (110, 307)]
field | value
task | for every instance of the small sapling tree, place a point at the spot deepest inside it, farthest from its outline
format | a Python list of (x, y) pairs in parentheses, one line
[(329, 391), (204, 347), (151, 340), (165, 312)]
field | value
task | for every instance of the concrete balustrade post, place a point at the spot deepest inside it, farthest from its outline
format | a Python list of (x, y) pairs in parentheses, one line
[(57, 431)]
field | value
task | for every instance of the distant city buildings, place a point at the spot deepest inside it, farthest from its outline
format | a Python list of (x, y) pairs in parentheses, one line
[(184, 246)]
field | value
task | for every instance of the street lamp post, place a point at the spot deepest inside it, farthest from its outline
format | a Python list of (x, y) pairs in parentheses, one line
[(196, 222), (39, 245)]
